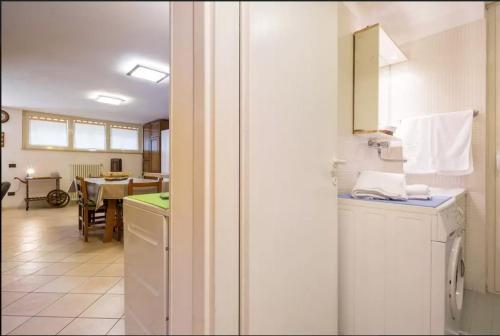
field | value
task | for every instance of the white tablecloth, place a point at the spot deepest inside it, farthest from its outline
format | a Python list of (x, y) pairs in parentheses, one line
[(99, 189)]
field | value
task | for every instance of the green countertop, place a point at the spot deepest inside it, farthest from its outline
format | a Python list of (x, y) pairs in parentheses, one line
[(153, 199)]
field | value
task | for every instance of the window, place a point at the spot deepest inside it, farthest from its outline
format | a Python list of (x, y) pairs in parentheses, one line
[(48, 132), (124, 138), (89, 135), (60, 132)]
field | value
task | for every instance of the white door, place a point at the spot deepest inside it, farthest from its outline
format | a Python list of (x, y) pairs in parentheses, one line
[(288, 137)]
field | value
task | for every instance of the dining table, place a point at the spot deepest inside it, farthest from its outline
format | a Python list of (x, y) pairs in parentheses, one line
[(100, 189)]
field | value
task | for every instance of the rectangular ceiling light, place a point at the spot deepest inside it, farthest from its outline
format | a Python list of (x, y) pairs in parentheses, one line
[(149, 74), (109, 100)]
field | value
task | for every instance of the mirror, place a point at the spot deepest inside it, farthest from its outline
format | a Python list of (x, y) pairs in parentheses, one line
[(374, 51)]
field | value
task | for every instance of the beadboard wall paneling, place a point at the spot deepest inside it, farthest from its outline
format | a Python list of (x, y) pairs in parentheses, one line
[(445, 72)]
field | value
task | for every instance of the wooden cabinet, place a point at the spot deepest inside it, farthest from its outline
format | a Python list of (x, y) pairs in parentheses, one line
[(151, 160), (146, 156)]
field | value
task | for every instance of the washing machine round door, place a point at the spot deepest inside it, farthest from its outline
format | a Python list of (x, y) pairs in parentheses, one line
[(456, 272)]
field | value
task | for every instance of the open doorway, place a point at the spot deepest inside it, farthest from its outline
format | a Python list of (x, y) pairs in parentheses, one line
[(85, 94)]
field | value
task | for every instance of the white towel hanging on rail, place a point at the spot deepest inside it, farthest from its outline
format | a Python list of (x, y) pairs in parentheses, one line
[(438, 144)]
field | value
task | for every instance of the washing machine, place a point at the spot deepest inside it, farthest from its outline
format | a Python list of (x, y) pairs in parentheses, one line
[(401, 264), (448, 256)]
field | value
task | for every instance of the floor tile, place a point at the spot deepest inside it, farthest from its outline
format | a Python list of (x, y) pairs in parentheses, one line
[(119, 288), (495, 328), (87, 269), (120, 260), (27, 256), (29, 283), (31, 304), (52, 257), (7, 279), (42, 326), (108, 306), (112, 270), (118, 328), (88, 326), (70, 305), (481, 313), (8, 255), (105, 258), (8, 265), (79, 257), (58, 268), (9, 297), (27, 268), (10, 323), (63, 284), (94, 247), (97, 285), (39, 248)]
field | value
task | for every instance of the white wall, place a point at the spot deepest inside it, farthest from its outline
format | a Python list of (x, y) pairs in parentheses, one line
[(445, 72), (44, 162)]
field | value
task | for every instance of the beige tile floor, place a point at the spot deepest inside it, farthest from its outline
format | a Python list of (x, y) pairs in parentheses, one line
[(481, 314), (53, 282)]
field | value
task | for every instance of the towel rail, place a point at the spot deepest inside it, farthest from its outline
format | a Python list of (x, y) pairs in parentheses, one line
[(475, 113)]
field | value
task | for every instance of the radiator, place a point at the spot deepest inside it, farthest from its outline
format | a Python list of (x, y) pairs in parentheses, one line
[(85, 170)]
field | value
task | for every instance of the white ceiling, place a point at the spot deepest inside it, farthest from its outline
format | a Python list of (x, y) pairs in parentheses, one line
[(56, 56), (410, 21)]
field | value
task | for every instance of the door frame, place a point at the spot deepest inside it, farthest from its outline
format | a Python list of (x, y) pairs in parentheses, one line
[(493, 149), (204, 123)]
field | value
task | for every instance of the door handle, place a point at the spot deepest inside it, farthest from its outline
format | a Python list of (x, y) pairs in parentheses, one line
[(334, 164)]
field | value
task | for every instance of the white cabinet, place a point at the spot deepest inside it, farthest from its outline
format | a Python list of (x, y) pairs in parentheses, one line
[(384, 268), (146, 268)]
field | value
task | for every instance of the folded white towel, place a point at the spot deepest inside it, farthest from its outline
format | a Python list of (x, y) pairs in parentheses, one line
[(380, 185), (417, 189), (419, 197), (438, 143)]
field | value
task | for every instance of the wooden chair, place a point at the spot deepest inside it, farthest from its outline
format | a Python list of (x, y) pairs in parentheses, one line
[(151, 176), (78, 183), (91, 217), (132, 186)]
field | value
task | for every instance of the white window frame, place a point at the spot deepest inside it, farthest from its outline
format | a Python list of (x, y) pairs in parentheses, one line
[(88, 122), (122, 126), (28, 115), (49, 118)]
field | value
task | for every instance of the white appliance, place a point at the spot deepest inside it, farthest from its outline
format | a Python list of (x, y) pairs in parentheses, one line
[(401, 267), (146, 237)]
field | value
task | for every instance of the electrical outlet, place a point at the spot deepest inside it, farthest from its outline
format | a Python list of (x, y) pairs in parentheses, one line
[(11, 193), (12, 165)]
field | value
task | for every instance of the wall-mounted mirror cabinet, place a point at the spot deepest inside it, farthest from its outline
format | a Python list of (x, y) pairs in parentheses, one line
[(373, 51)]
